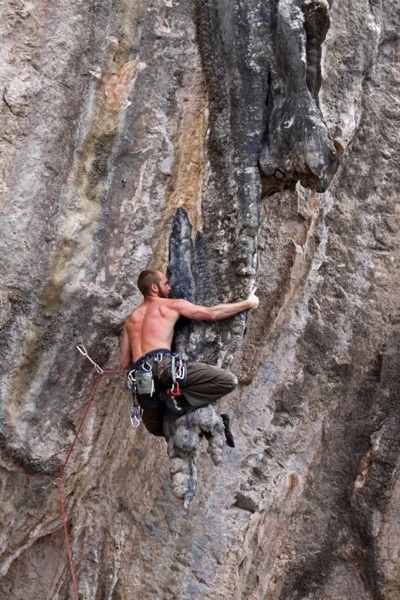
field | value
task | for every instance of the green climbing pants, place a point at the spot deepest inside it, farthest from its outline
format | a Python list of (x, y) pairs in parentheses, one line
[(204, 384)]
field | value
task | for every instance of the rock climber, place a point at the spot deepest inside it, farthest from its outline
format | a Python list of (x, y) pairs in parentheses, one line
[(146, 352)]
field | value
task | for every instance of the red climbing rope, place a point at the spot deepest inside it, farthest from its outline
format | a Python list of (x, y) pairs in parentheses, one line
[(61, 473)]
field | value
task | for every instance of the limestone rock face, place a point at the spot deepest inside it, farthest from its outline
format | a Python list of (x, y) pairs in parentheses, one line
[(232, 143)]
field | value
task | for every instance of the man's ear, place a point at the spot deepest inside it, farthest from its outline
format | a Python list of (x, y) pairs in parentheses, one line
[(154, 288)]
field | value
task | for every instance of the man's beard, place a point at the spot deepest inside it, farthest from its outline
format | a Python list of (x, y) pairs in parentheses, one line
[(161, 294)]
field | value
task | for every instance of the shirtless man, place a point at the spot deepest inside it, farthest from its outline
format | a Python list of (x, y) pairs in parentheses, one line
[(147, 339)]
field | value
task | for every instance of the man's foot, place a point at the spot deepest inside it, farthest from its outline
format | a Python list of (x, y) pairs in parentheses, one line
[(228, 433)]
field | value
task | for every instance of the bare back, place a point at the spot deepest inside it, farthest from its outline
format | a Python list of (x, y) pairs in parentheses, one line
[(151, 326)]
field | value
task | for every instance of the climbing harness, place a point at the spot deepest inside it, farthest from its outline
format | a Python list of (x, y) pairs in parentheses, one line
[(154, 386)]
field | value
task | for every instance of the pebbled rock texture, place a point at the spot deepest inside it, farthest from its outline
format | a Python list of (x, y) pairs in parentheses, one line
[(233, 143)]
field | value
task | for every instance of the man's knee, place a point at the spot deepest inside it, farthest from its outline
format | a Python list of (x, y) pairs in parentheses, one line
[(230, 381)]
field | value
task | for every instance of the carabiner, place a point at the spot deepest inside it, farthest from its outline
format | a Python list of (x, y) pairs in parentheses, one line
[(136, 416), (84, 353)]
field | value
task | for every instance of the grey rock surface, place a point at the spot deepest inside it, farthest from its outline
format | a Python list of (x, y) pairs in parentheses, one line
[(233, 143)]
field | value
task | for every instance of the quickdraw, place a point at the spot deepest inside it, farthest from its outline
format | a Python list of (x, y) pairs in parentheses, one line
[(178, 371), (175, 390), (84, 353), (136, 410)]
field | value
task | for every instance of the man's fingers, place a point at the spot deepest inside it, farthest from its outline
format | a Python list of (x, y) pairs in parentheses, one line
[(254, 299)]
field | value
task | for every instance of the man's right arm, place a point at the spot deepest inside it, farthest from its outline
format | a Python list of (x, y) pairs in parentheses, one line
[(125, 356), (217, 312)]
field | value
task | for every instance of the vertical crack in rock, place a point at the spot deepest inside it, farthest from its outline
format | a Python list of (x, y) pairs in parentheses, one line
[(184, 434)]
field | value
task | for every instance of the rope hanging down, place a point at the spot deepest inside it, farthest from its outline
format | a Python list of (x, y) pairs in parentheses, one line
[(99, 370)]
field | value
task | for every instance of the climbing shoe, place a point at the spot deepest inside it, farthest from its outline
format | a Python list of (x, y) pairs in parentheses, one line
[(228, 433)]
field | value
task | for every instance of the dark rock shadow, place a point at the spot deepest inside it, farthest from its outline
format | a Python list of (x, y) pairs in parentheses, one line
[(184, 434)]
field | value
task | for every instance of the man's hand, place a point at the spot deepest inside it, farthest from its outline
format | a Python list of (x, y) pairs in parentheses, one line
[(253, 299)]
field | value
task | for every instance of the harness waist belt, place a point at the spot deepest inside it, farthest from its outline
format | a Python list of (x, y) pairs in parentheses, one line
[(149, 356)]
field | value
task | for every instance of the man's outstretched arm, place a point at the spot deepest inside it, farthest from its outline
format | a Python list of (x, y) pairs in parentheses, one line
[(217, 312)]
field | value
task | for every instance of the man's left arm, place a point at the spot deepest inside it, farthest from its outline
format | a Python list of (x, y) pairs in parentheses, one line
[(125, 356), (217, 312)]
